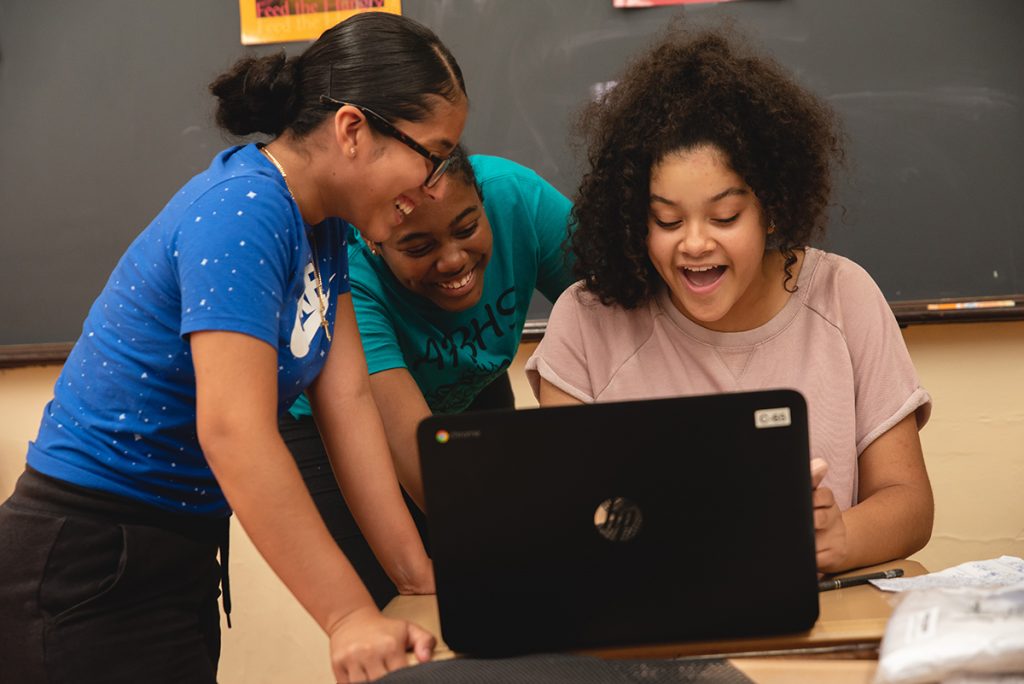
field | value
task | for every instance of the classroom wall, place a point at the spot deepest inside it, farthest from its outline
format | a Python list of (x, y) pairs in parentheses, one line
[(974, 447)]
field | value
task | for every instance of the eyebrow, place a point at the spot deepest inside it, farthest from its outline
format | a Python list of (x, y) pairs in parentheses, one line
[(410, 237), (729, 192), (463, 214), (417, 236), (443, 144)]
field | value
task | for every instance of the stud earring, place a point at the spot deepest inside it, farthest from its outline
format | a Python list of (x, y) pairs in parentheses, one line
[(352, 152), (373, 250)]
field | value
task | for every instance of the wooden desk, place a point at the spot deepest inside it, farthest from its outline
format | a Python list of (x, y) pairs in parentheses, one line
[(856, 615), (805, 671)]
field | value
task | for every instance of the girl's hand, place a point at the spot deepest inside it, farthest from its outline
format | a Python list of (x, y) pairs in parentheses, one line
[(819, 467), (829, 529), (365, 645)]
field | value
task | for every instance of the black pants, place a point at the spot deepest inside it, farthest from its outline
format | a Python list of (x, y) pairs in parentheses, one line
[(303, 440), (96, 588)]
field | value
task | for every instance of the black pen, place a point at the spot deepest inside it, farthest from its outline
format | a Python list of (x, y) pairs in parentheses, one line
[(842, 582)]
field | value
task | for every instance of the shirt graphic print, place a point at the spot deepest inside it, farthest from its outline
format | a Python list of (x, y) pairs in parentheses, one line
[(308, 316)]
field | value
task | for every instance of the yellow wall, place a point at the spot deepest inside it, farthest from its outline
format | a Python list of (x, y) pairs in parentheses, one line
[(974, 446), (974, 443)]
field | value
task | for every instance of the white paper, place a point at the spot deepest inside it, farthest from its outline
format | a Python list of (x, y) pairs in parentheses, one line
[(994, 572)]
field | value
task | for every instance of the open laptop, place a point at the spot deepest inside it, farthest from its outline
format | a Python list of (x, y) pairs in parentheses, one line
[(624, 523)]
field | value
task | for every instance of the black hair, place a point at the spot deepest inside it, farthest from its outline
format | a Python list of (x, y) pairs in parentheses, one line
[(461, 170), (386, 62), (693, 89)]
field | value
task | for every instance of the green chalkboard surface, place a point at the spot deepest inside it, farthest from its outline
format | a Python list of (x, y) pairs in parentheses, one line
[(104, 113)]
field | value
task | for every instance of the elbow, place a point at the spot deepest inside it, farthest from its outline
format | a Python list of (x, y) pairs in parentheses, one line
[(221, 435), (919, 539), (215, 437), (923, 519)]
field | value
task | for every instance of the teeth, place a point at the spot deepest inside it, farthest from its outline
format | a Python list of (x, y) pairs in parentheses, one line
[(699, 269), (404, 206), (456, 284)]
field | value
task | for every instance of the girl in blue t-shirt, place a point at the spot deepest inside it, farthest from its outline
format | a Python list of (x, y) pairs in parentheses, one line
[(230, 304)]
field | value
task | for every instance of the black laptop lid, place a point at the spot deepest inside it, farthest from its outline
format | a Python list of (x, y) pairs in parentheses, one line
[(621, 523)]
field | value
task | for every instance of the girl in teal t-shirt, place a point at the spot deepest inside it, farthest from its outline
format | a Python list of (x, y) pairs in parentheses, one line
[(441, 307)]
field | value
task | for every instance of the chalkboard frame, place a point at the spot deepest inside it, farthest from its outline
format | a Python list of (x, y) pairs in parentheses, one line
[(505, 113), (907, 313)]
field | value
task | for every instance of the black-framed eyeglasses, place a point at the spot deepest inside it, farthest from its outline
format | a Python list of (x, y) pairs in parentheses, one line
[(440, 164)]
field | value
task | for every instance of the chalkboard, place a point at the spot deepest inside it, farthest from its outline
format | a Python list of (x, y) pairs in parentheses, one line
[(104, 113)]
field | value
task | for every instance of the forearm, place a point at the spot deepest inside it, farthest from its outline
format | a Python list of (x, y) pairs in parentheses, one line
[(273, 506), (357, 448), (893, 522), (893, 517), (402, 407), (353, 434), (405, 450)]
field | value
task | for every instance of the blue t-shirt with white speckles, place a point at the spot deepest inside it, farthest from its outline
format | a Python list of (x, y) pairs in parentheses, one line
[(229, 252)]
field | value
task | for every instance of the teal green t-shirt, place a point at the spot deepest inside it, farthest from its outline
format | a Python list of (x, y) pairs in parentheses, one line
[(453, 356)]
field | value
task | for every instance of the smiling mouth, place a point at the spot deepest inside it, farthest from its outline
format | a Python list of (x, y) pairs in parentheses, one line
[(458, 285), (404, 206), (702, 276)]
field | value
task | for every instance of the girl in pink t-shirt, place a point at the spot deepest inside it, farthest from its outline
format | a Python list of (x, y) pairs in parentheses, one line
[(710, 173)]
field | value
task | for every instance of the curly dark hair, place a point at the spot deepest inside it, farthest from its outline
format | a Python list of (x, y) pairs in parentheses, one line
[(698, 88)]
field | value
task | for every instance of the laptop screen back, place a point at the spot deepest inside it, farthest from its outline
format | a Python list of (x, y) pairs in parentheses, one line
[(621, 523)]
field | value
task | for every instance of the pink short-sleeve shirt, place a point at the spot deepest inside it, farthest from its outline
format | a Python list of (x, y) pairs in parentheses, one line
[(836, 341)]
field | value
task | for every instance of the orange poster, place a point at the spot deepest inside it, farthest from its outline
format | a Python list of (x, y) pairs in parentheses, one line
[(283, 21)]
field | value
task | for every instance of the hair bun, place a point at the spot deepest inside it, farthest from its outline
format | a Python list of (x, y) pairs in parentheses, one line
[(257, 95)]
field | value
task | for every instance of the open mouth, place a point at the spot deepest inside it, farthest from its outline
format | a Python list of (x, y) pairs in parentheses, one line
[(702, 277)]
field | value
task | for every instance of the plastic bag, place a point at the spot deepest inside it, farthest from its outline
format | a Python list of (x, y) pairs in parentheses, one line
[(940, 634)]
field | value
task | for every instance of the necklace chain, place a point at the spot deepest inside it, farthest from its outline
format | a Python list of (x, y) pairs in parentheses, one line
[(321, 298)]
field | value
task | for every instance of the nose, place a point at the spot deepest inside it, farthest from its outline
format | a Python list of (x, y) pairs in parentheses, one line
[(695, 240), (439, 190), (452, 259)]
